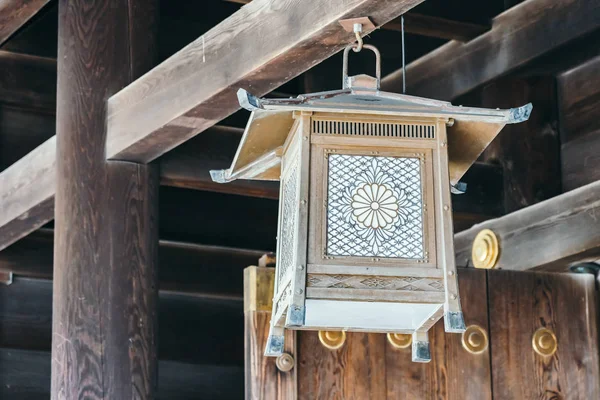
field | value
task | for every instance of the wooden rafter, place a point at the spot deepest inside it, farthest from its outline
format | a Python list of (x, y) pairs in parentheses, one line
[(27, 81), (442, 28), (15, 13), (184, 266), (551, 234), (195, 88), (518, 36)]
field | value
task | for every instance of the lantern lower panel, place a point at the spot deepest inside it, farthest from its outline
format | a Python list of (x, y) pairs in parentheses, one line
[(370, 316)]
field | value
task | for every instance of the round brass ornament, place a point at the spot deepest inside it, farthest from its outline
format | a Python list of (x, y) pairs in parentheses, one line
[(285, 362), (333, 340), (544, 342), (475, 339), (399, 340), (486, 250)]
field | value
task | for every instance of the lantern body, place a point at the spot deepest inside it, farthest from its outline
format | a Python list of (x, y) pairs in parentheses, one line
[(365, 226), (365, 238)]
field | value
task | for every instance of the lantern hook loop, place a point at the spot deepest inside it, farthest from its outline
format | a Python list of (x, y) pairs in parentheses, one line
[(345, 82), (359, 41)]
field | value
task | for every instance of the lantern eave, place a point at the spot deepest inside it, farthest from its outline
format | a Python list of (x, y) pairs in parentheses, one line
[(258, 155)]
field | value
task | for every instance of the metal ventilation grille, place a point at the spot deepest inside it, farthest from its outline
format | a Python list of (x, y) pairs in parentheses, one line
[(352, 128)]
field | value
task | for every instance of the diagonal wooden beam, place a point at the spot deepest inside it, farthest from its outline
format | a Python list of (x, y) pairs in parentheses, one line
[(518, 36), (261, 46), (15, 13), (549, 235), (27, 193)]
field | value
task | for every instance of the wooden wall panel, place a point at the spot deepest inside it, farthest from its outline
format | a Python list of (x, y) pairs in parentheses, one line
[(192, 328), (581, 160), (25, 375), (367, 367), (521, 303), (356, 371), (453, 373), (529, 152), (264, 380), (579, 100)]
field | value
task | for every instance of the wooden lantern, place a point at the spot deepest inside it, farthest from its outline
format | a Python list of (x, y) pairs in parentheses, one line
[(365, 238)]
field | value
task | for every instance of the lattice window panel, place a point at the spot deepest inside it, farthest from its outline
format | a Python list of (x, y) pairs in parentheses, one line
[(353, 128), (375, 207), (290, 182)]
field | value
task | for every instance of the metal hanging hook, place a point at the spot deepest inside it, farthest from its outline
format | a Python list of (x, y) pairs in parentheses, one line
[(359, 41)]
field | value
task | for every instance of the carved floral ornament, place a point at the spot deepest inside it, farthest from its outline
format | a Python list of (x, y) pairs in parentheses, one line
[(374, 203)]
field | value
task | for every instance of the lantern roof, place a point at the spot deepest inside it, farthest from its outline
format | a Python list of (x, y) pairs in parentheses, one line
[(259, 153)]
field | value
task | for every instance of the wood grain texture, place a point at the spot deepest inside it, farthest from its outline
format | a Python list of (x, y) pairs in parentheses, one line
[(185, 336), (27, 195), (15, 13), (188, 166), (104, 340), (442, 28), (521, 303), (581, 161), (184, 267), (518, 36), (579, 99), (427, 25), (367, 367), (21, 131), (27, 81), (262, 377), (551, 234), (25, 374), (356, 371), (529, 152), (144, 121), (453, 373)]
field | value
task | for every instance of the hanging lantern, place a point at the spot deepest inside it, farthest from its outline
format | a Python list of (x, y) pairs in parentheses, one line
[(365, 238)]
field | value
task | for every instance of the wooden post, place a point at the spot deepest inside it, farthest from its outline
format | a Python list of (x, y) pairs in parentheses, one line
[(264, 379), (106, 242)]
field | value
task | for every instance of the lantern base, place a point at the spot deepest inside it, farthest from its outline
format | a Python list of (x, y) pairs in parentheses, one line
[(420, 350), (295, 317), (274, 346), (454, 322)]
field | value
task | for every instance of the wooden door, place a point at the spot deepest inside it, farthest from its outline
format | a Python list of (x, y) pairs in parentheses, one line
[(509, 306)]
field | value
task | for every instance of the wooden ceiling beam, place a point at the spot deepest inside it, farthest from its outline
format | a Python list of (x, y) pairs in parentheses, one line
[(24, 374), (183, 266), (183, 318), (427, 25), (15, 13), (441, 28), (518, 36), (268, 42), (549, 235), (27, 81)]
